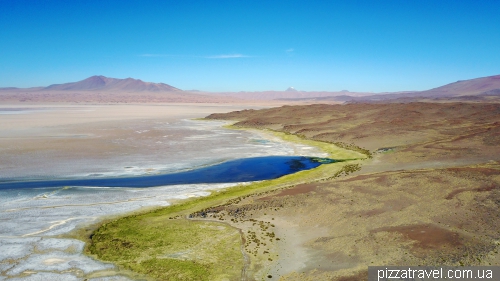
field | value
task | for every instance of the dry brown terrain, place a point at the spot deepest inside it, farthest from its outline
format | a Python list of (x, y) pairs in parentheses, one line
[(429, 196)]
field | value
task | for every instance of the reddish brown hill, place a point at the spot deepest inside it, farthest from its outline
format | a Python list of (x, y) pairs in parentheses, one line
[(482, 89), (467, 87), (103, 83), (101, 89)]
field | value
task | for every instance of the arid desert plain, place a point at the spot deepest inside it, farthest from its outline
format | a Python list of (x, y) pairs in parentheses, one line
[(401, 182)]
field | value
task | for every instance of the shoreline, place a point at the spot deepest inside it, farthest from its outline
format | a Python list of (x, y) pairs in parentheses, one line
[(260, 168), (181, 210)]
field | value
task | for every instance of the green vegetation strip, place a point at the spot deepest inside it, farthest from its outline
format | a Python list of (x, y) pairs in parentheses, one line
[(164, 245), (170, 249)]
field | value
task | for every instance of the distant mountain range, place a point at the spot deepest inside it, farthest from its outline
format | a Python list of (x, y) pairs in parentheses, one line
[(286, 95), (485, 88), (101, 88)]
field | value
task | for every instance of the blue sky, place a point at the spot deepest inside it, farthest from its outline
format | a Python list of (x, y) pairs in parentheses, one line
[(371, 46)]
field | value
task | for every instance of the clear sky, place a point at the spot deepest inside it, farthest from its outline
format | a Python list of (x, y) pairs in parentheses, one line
[(253, 45)]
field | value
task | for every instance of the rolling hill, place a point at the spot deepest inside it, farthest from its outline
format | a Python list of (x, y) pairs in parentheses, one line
[(478, 89)]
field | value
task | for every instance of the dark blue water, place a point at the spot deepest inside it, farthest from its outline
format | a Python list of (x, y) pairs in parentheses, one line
[(240, 170)]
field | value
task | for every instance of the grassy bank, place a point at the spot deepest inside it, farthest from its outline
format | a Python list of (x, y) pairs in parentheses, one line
[(164, 244)]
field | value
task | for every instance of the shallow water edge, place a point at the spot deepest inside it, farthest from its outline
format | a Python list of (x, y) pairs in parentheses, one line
[(234, 171)]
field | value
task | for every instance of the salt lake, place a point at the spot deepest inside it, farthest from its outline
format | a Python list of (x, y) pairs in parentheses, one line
[(34, 220)]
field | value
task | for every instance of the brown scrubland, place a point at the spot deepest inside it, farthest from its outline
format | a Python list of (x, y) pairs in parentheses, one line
[(429, 194)]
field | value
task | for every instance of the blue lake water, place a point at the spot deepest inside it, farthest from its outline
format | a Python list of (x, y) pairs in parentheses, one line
[(239, 170)]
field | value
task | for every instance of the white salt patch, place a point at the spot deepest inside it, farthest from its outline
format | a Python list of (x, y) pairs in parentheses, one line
[(202, 137), (52, 244), (110, 278), (15, 249), (11, 112), (16, 240), (58, 261), (5, 266), (44, 276)]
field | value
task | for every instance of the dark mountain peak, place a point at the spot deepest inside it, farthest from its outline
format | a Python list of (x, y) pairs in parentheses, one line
[(103, 83), (95, 81)]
